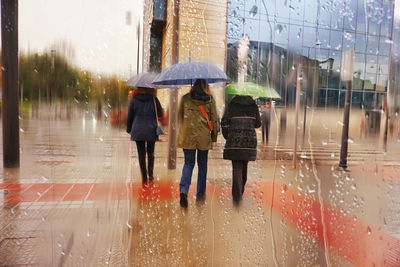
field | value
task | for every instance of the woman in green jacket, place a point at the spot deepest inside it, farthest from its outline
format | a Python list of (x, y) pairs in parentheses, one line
[(196, 134)]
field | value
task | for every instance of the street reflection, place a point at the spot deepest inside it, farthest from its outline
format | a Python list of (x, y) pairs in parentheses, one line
[(77, 197)]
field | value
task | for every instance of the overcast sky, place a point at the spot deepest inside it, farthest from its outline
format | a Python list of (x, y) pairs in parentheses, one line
[(97, 29)]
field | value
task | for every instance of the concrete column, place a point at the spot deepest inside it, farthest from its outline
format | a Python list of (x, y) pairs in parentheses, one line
[(173, 93)]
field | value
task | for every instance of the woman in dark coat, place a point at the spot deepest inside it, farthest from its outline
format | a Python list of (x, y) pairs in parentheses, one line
[(238, 123), (142, 124)]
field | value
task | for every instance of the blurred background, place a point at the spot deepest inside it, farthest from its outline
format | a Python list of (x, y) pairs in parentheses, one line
[(323, 191)]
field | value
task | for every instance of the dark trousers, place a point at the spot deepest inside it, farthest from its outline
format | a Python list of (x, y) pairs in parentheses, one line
[(186, 179), (142, 149), (239, 179), (264, 132)]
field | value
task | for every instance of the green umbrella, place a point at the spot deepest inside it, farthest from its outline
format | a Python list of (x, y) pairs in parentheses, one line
[(252, 89)]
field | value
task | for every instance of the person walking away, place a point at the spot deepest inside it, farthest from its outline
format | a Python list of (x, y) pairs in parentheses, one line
[(265, 123), (142, 124), (238, 124), (197, 116)]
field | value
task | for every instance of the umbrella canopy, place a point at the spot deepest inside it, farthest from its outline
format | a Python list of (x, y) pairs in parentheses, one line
[(143, 80), (188, 73), (252, 89)]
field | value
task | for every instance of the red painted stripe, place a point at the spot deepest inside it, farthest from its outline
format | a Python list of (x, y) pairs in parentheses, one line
[(31, 194), (78, 192), (349, 237), (99, 192), (56, 193)]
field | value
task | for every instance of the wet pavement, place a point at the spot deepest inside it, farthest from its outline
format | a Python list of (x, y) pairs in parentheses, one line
[(77, 200)]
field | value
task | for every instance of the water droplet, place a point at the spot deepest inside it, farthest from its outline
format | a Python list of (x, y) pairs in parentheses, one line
[(284, 188), (253, 11), (279, 29), (354, 187), (299, 33), (311, 191), (388, 41), (369, 231)]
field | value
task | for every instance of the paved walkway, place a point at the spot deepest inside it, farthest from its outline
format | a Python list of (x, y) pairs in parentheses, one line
[(77, 201)]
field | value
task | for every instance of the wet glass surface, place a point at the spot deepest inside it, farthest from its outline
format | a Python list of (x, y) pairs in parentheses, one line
[(77, 198)]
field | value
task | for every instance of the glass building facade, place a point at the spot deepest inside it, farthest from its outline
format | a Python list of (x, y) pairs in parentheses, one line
[(314, 33)]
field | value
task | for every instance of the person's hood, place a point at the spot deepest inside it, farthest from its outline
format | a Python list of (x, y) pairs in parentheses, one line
[(243, 100), (144, 97), (202, 97)]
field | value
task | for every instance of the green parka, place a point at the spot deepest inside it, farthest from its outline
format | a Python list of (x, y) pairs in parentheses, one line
[(194, 132)]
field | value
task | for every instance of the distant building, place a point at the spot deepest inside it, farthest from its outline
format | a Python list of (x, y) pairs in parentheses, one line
[(315, 33), (282, 33)]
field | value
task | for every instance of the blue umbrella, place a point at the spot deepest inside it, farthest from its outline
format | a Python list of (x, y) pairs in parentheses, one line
[(188, 73)]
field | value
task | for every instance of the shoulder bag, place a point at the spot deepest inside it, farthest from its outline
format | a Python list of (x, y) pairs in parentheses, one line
[(159, 130)]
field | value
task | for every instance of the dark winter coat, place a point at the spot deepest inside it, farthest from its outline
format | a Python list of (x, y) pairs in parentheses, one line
[(238, 124), (141, 121), (194, 132)]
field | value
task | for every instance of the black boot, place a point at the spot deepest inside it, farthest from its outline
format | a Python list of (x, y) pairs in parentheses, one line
[(183, 201)]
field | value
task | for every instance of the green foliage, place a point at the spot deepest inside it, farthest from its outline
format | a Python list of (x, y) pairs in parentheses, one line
[(51, 77)]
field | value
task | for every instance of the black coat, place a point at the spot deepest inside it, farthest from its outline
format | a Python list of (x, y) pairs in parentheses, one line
[(141, 121), (238, 123)]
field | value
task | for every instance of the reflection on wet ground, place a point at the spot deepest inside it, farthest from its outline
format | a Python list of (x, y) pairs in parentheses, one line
[(77, 201)]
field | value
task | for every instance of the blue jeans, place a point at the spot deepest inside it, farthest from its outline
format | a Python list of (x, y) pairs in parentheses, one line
[(186, 179)]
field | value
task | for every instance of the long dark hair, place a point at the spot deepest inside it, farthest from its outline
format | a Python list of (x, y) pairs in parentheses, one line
[(200, 86)]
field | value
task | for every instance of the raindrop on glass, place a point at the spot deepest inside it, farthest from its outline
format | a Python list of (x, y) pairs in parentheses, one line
[(253, 11), (299, 33), (369, 231), (279, 29)]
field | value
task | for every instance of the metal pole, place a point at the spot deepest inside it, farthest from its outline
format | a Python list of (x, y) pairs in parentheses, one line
[(52, 88), (298, 88), (345, 131), (9, 55), (346, 75), (305, 116), (138, 48), (386, 125), (173, 93)]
